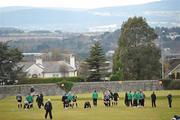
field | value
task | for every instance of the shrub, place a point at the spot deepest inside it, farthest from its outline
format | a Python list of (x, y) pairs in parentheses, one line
[(171, 84), (114, 78), (65, 85), (117, 76), (49, 80), (166, 83), (174, 85)]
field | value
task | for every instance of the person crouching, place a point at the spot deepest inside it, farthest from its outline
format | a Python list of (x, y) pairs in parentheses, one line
[(87, 105)]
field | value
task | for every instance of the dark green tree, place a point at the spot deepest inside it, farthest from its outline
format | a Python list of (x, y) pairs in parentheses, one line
[(83, 70), (137, 57), (9, 57), (96, 63)]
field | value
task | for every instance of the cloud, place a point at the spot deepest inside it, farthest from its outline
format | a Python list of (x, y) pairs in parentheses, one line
[(164, 24), (85, 4), (162, 13), (102, 13)]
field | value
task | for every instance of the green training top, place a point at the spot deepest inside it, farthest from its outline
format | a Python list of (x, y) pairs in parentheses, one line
[(95, 95)]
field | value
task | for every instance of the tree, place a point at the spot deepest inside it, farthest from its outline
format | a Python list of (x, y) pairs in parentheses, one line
[(83, 71), (137, 57), (9, 57), (96, 63)]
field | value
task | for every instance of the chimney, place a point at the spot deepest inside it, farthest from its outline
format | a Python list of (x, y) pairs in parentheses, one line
[(72, 61), (39, 61)]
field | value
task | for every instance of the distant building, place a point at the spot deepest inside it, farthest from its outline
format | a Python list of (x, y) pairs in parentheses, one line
[(47, 69), (173, 70), (175, 73)]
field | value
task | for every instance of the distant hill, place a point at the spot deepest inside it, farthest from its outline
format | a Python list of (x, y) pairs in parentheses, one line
[(80, 43), (162, 13)]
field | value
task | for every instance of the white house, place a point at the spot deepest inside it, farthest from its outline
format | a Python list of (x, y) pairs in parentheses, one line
[(47, 69)]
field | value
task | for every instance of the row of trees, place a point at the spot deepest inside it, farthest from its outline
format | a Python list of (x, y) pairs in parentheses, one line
[(136, 58)]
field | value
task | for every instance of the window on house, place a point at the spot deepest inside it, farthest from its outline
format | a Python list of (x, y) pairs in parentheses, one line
[(55, 75), (34, 76)]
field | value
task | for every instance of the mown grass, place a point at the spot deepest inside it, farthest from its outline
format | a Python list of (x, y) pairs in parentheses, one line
[(9, 111)]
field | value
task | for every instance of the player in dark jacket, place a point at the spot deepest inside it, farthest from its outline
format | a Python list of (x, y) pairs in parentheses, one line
[(39, 101), (74, 101), (116, 97), (65, 101), (126, 99), (169, 100), (48, 108), (87, 104), (153, 99)]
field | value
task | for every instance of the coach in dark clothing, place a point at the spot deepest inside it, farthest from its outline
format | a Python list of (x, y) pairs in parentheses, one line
[(64, 100), (153, 99), (39, 101), (48, 108), (169, 100)]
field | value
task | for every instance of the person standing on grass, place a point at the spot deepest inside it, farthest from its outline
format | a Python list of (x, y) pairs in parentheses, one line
[(126, 99), (19, 100), (143, 98), (169, 100), (70, 98), (39, 101), (153, 99), (116, 97), (139, 98), (95, 97), (107, 101), (129, 94), (48, 108), (135, 99), (65, 101), (42, 98), (75, 101)]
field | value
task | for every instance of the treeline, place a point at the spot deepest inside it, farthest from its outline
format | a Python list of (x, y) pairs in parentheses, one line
[(77, 44), (80, 43)]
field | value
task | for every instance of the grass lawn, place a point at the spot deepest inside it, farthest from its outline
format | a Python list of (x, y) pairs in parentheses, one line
[(9, 111)]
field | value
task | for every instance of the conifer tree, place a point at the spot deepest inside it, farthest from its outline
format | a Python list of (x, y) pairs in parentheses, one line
[(96, 63)]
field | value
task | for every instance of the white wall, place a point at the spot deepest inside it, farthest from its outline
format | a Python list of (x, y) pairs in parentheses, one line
[(72, 74), (34, 69), (72, 61), (49, 75)]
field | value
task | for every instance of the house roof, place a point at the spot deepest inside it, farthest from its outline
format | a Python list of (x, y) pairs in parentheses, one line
[(175, 68), (49, 66)]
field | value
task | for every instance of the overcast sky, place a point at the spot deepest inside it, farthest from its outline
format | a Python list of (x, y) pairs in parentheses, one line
[(82, 4)]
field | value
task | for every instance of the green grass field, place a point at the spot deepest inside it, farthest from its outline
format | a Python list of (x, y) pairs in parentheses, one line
[(9, 111)]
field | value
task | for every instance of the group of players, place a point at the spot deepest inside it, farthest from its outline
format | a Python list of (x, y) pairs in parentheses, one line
[(69, 100), (28, 102), (111, 99), (133, 99)]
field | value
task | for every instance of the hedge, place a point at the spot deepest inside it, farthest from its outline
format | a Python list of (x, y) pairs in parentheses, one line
[(65, 85), (49, 80), (114, 77), (171, 84)]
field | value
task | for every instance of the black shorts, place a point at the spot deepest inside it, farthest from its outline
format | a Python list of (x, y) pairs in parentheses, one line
[(19, 101), (115, 99)]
